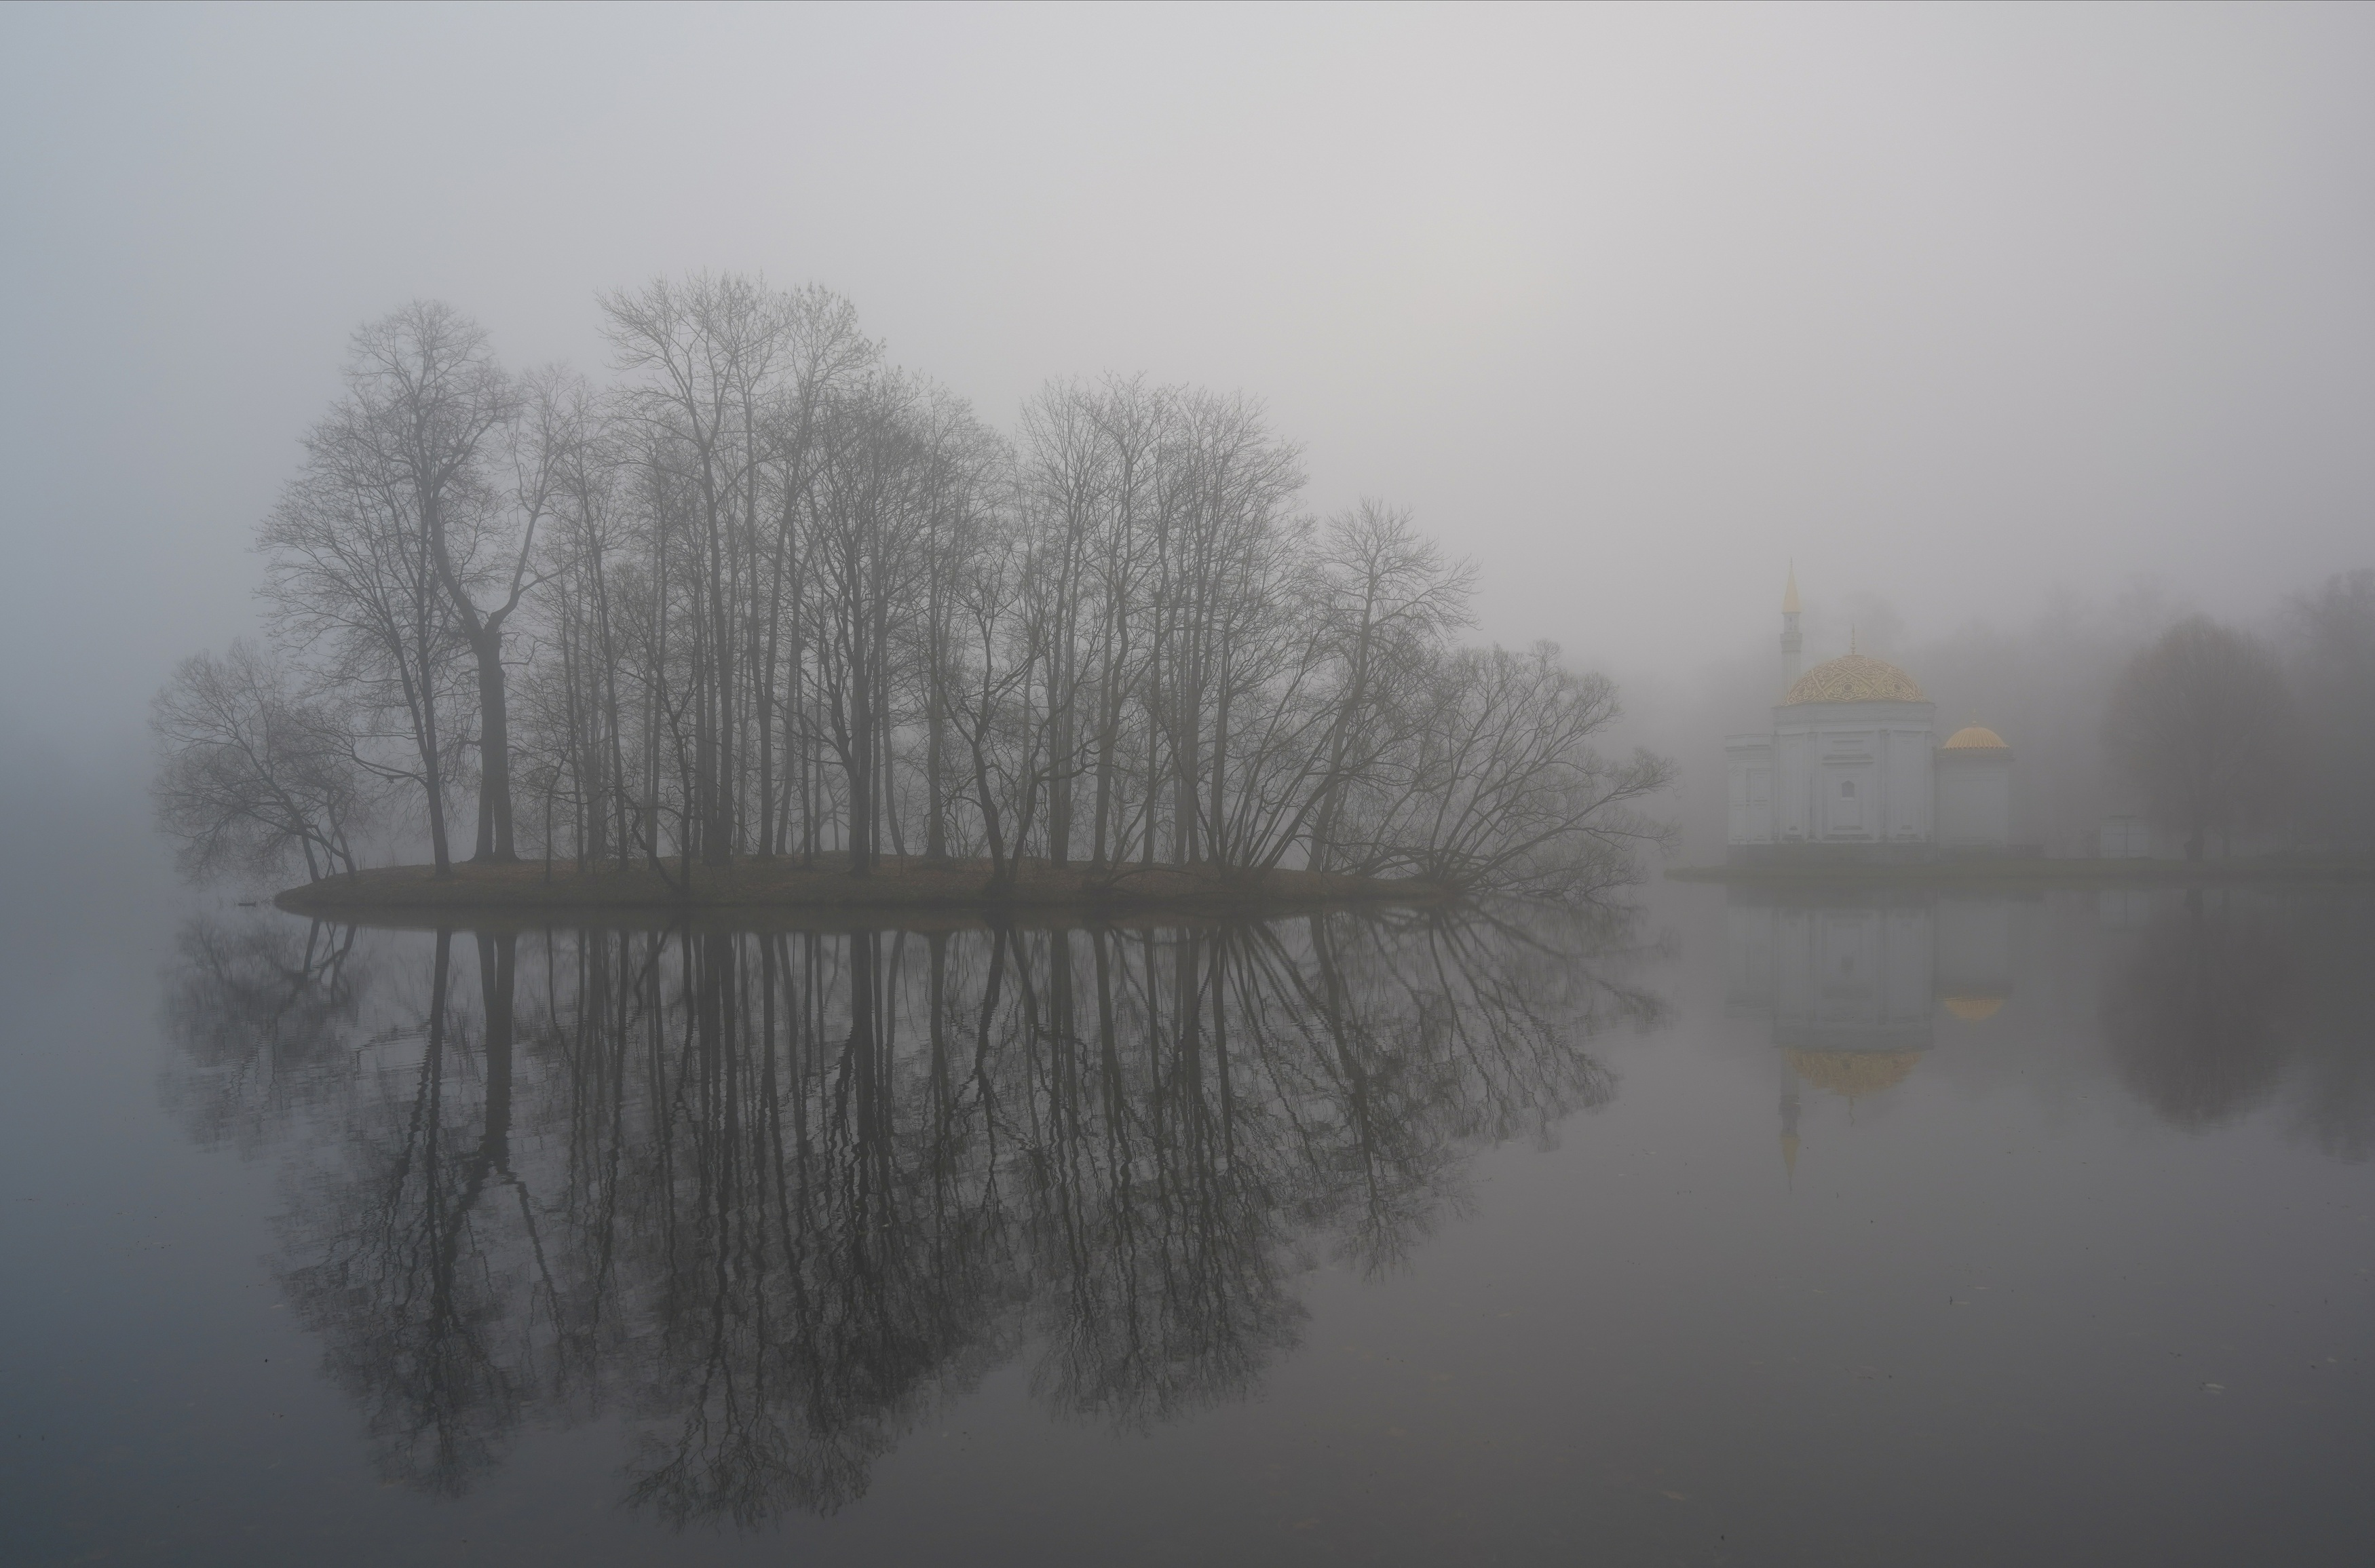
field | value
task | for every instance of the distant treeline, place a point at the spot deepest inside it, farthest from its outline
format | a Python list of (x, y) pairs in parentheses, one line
[(2223, 736), (768, 595), (2257, 737)]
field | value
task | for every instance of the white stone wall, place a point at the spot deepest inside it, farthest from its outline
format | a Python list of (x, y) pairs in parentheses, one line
[(1853, 773), (1793, 773)]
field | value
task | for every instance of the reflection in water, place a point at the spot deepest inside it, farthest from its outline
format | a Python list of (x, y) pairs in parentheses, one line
[(2210, 1003), (2227, 1001), (768, 1197), (257, 1007), (2195, 1021), (2331, 1015), (1853, 985)]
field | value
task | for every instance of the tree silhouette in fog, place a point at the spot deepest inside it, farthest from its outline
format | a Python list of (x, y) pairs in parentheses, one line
[(2202, 723), (254, 769), (767, 595), (2333, 668)]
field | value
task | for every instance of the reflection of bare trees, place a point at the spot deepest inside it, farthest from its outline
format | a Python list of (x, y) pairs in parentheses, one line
[(2231, 1000), (415, 1287), (2334, 1027), (770, 1197), (255, 1007), (2191, 1024)]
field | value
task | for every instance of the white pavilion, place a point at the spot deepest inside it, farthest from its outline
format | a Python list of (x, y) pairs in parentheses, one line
[(1852, 771)]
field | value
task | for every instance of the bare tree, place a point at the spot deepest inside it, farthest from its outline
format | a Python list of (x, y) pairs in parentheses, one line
[(1386, 598), (706, 351), (2333, 668), (1496, 786), (2201, 724), (789, 599), (253, 771), (427, 400), (352, 585)]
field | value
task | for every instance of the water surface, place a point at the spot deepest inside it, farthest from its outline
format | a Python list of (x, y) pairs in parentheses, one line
[(1729, 1228)]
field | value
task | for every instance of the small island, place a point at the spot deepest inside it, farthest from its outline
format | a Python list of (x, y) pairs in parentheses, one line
[(788, 886), (580, 646)]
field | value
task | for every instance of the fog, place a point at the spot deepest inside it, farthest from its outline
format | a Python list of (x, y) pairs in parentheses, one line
[(1972, 314)]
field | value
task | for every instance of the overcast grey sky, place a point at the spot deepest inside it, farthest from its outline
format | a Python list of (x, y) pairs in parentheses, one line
[(1952, 304)]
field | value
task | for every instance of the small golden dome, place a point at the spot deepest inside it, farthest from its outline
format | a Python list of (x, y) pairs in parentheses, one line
[(1853, 1073), (1854, 678), (1975, 738), (1973, 1009)]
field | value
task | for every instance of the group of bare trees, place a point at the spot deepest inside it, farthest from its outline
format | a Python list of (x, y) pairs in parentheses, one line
[(2331, 676), (2199, 723), (769, 595), (2224, 735), (255, 772)]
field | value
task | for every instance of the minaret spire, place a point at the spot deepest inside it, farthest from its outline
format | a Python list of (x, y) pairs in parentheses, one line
[(1792, 643)]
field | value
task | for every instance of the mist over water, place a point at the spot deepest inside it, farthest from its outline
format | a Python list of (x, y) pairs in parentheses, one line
[(1788, 1221)]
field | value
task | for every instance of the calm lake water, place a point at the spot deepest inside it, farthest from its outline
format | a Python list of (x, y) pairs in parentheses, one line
[(1924, 1228)]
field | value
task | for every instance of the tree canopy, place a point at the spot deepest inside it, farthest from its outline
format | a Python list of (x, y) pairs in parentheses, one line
[(766, 594), (2202, 723)]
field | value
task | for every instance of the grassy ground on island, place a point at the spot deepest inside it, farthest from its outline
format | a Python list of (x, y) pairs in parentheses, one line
[(901, 887)]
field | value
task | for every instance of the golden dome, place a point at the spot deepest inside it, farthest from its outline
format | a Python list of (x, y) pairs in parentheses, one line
[(1853, 1073), (1972, 1010), (1854, 678), (1975, 738)]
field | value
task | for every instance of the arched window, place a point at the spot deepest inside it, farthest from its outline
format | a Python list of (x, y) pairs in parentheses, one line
[(1847, 788)]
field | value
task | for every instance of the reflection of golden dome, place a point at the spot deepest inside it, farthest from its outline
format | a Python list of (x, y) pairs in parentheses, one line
[(1971, 1009), (1975, 738), (1853, 1073), (1854, 678)]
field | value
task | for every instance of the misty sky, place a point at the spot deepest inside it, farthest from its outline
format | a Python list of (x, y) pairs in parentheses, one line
[(1955, 305)]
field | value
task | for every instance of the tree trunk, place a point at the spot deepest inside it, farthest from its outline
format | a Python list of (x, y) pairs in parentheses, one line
[(432, 777), (494, 747), (935, 830)]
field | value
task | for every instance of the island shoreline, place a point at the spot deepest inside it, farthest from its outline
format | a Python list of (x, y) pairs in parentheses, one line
[(906, 888)]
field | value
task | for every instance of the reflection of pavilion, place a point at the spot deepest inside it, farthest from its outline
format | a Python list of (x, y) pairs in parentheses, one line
[(1853, 983)]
